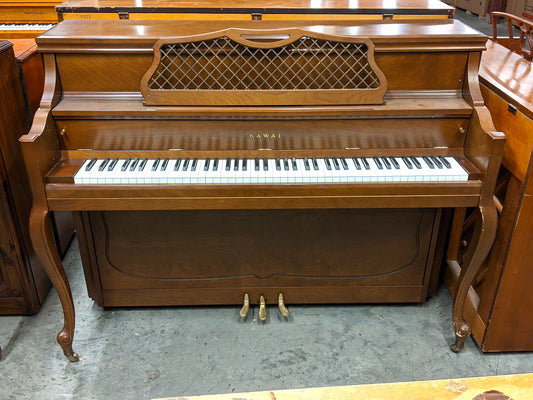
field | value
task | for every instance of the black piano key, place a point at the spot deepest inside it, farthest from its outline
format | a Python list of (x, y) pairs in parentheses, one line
[(428, 162), (177, 165), (156, 164), (112, 165), (365, 163), (445, 162), (294, 164), (134, 163), (278, 164), (386, 162), (407, 162), (164, 164), (265, 164), (125, 164), (244, 164), (306, 164), (436, 161), (207, 162), (394, 162), (315, 164), (228, 164), (143, 164), (416, 162), (286, 164), (215, 164), (194, 164), (336, 164), (186, 164), (344, 163), (378, 162), (356, 163), (91, 164), (236, 164), (103, 164), (328, 164), (256, 166)]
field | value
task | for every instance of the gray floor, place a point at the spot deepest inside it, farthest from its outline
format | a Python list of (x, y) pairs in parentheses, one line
[(149, 353), (159, 352)]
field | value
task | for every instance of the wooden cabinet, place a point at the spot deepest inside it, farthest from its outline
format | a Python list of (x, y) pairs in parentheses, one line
[(23, 283)]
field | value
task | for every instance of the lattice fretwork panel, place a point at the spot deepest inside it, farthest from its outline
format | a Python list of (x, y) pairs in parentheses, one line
[(223, 64), (230, 69)]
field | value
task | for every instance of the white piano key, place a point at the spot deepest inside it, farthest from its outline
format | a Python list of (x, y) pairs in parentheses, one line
[(240, 176)]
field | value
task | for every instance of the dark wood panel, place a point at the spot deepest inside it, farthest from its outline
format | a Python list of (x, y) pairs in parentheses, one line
[(263, 249)]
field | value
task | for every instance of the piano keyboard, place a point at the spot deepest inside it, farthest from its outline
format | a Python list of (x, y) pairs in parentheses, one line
[(25, 27), (269, 170)]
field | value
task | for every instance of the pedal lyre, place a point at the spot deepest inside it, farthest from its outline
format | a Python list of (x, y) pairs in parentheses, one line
[(245, 306), (281, 304), (262, 309)]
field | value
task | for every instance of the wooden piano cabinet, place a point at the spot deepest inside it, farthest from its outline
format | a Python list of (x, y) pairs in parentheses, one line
[(156, 258), (23, 283), (336, 241), (501, 301)]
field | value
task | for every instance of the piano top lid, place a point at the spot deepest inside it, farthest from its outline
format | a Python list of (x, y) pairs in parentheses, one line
[(407, 7), (141, 35)]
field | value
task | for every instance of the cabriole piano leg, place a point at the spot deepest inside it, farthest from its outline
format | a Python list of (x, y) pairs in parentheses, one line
[(483, 237), (43, 242)]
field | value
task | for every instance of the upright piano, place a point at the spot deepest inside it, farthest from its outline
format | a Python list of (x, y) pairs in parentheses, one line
[(254, 9), (26, 19), (261, 162)]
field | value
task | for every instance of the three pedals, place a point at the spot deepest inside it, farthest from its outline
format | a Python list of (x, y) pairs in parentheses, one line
[(243, 313)]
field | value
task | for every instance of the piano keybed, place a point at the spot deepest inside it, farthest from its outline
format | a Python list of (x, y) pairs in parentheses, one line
[(137, 171)]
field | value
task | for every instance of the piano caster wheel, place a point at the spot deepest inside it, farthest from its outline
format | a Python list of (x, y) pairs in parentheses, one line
[(245, 306), (262, 309), (281, 305)]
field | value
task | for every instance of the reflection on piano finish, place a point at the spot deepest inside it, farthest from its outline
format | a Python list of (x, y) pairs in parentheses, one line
[(254, 9), (338, 94)]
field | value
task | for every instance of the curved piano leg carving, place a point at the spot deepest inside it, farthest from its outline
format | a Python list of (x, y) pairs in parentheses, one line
[(484, 235), (43, 242)]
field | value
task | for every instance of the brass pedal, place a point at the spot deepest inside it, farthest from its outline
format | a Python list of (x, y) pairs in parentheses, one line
[(281, 304), (245, 306), (262, 309)]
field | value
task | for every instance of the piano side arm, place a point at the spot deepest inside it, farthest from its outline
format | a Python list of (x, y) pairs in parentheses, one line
[(484, 148), (41, 151)]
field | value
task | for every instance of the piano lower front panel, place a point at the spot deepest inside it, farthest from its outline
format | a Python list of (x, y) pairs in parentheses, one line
[(153, 258)]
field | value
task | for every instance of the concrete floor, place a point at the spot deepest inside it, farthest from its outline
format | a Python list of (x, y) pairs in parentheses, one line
[(144, 353), (158, 352)]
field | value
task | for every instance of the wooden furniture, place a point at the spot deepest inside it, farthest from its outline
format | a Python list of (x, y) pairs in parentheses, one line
[(182, 92), (255, 9), (23, 282), (22, 19), (500, 302), (524, 43)]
